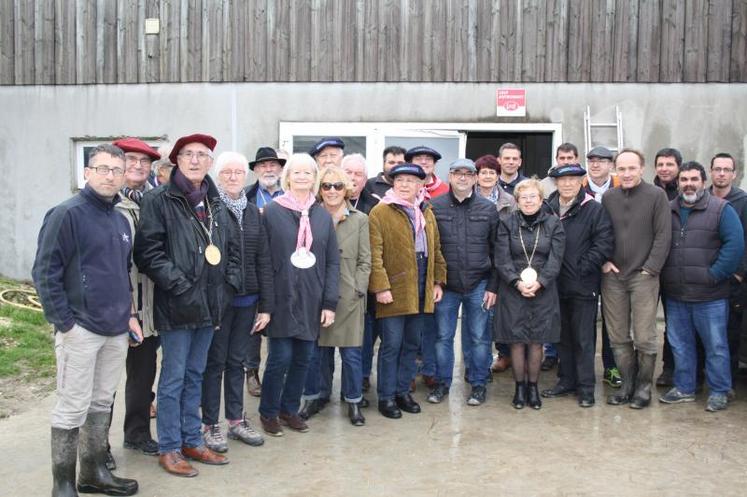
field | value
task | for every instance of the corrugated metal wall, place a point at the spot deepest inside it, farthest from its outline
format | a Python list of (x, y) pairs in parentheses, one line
[(104, 41)]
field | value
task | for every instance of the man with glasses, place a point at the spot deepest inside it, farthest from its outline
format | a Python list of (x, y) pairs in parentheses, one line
[(467, 224), (81, 273), (723, 175), (141, 361), (184, 245), (328, 152), (268, 167)]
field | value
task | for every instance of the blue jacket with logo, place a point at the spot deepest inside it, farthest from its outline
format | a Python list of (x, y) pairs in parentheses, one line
[(81, 270)]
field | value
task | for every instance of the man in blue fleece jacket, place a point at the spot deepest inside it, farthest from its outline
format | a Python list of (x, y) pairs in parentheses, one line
[(707, 249), (81, 273)]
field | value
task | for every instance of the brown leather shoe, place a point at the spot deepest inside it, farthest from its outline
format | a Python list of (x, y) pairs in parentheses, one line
[(501, 363), (253, 385), (294, 422), (204, 455), (271, 426), (174, 463)]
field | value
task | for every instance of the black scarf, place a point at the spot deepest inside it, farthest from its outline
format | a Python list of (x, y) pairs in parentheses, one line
[(194, 195)]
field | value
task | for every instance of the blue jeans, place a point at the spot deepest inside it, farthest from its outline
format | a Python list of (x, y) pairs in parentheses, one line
[(475, 335), (400, 340), (428, 345), (550, 350), (184, 355), (708, 320), (370, 333), (285, 374), (317, 385)]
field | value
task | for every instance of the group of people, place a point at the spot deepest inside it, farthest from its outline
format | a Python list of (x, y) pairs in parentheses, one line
[(315, 256)]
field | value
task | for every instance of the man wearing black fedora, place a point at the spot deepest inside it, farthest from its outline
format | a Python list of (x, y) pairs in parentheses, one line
[(267, 166)]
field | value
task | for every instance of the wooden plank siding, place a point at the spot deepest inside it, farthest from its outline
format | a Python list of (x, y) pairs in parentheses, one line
[(632, 41)]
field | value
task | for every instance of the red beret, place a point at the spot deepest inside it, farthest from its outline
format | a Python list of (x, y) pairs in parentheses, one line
[(206, 140), (136, 145)]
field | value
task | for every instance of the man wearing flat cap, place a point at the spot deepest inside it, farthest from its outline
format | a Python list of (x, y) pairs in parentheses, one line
[(141, 361), (426, 158), (589, 244), (328, 152), (183, 244), (268, 167)]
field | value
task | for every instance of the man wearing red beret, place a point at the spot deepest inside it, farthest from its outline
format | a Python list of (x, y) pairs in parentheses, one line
[(183, 244)]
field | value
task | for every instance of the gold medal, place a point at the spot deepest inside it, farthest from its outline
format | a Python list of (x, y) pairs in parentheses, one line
[(212, 255)]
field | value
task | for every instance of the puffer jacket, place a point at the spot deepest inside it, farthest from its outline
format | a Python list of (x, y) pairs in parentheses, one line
[(170, 249)]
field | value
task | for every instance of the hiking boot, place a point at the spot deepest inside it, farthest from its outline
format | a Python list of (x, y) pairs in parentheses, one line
[(271, 426), (477, 396), (253, 385), (674, 396), (438, 394), (214, 439), (244, 431), (612, 377), (716, 402)]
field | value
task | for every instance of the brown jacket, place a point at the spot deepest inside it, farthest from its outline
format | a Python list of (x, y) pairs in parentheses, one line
[(393, 264)]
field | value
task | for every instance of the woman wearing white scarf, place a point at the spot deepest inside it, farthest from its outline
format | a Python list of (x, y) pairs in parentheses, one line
[(306, 269)]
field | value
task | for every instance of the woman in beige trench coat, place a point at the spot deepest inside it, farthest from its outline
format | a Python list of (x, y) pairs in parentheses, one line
[(351, 228)]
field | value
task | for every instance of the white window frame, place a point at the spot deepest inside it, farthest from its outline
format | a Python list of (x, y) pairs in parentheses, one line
[(376, 132), (78, 156)]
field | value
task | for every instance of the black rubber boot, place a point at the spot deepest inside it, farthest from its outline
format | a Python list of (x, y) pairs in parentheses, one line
[(626, 364), (520, 395), (533, 396), (64, 457), (94, 476), (644, 380)]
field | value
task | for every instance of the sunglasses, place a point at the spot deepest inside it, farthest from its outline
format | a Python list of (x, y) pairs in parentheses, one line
[(337, 186)]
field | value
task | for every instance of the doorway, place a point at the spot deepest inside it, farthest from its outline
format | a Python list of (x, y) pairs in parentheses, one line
[(536, 148)]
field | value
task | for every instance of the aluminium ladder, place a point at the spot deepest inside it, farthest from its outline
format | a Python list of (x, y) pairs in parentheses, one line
[(590, 126)]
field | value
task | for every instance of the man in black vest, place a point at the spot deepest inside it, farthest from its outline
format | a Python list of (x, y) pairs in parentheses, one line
[(707, 249)]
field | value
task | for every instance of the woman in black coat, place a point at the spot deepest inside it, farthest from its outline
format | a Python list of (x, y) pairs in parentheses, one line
[(528, 256), (306, 269)]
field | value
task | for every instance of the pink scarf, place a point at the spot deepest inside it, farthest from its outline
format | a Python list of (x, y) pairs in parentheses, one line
[(392, 198), (304, 226)]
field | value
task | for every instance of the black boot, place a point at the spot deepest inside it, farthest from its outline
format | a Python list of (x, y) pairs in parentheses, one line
[(64, 456), (626, 364), (355, 414), (309, 408), (94, 476), (520, 395), (644, 379), (533, 396)]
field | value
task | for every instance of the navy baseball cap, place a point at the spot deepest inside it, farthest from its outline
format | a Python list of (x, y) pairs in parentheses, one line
[(420, 150), (568, 170), (411, 169), (329, 141)]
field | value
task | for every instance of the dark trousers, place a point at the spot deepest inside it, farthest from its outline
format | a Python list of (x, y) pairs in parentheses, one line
[(225, 361), (141, 374), (576, 348), (285, 374), (734, 326)]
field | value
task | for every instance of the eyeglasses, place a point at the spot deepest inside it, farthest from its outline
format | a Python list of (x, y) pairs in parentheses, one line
[(189, 155), (463, 174), (228, 173), (337, 186), (134, 161), (599, 161), (533, 196), (719, 170), (105, 170)]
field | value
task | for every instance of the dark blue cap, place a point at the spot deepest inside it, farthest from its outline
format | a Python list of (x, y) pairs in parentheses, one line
[(412, 169), (420, 150), (329, 141), (567, 170)]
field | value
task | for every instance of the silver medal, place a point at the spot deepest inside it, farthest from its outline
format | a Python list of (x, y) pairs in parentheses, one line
[(302, 258), (528, 276)]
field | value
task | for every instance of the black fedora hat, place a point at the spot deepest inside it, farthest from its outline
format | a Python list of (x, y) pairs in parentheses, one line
[(265, 154)]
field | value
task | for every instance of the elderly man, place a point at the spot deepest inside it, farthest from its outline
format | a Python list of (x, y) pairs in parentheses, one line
[(509, 156), (589, 244), (378, 185), (328, 152), (268, 167), (184, 246), (81, 275), (141, 361), (354, 166), (426, 158), (723, 177), (467, 225), (707, 250), (630, 280)]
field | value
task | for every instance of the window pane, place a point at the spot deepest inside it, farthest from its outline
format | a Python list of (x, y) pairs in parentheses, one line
[(448, 147), (353, 144)]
